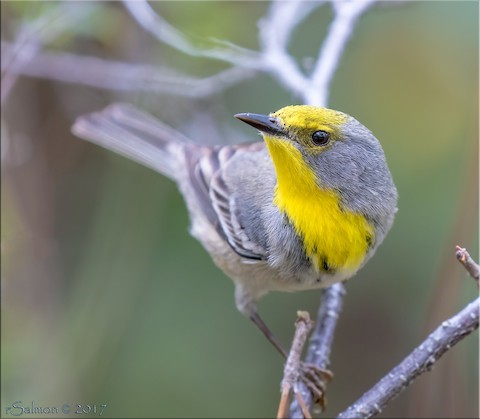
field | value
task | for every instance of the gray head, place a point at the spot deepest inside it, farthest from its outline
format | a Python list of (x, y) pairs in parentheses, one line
[(345, 156)]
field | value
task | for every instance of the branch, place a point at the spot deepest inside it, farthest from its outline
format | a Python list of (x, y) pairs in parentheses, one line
[(419, 361), (422, 359), (31, 39), (347, 14), (26, 57), (469, 264), (275, 31), (291, 372), (117, 75), (321, 340), (148, 19)]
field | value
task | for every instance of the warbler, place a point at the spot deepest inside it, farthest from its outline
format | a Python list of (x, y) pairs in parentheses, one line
[(303, 209)]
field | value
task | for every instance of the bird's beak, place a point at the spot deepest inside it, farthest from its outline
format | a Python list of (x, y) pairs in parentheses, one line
[(264, 123)]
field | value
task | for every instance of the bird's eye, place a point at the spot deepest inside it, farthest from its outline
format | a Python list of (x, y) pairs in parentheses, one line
[(320, 138)]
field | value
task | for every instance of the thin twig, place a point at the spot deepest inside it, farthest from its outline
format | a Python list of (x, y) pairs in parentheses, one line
[(346, 16), (466, 260), (419, 361), (33, 36), (321, 340), (283, 405), (291, 372), (422, 359), (275, 31), (301, 403), (152, 22), (120, 76)]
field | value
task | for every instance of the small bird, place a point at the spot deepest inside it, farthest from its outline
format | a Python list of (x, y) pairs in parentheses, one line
[(304, 209)]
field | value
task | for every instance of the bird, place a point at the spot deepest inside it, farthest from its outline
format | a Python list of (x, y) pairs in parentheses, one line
[(303, 209)]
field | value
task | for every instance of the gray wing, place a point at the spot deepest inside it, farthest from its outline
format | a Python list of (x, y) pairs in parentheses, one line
[(240, 181)]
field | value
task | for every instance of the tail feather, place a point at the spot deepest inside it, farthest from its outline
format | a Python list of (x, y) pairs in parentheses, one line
[(135, 135)]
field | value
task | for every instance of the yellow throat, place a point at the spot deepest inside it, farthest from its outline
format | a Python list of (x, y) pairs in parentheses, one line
[(334, 239)]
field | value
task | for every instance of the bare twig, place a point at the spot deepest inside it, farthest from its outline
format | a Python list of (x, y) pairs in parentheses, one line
[(422, 359), (347, 14), (146, 17), (466, 260), (419, 361), (27, 57), (321, 339), (120, 76), (275, 32), (291, 372), (32, 37), (301, 403)]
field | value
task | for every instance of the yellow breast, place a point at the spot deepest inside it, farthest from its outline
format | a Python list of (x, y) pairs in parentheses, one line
[(334, 238)]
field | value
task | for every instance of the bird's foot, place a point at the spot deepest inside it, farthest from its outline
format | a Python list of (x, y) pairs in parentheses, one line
[(316, 380)]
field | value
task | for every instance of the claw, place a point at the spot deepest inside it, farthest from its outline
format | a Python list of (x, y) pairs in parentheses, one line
[(316, 380)]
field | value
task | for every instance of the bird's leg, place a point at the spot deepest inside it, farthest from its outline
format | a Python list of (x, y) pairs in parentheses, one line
[(315, 378), (246, 303), (257, 320)]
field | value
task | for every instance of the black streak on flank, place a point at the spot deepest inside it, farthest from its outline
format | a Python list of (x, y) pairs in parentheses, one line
[(369, 241), (326, 267)]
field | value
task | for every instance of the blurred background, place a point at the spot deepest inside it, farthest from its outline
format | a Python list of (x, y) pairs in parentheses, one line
[(106, 299)]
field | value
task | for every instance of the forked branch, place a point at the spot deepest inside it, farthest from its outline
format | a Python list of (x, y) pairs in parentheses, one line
[(422, 359)]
